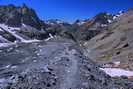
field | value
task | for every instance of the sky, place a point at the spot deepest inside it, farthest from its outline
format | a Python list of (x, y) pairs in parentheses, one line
[(71, 10)]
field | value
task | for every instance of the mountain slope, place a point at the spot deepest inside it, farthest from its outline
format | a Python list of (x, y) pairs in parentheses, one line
[(20, 24), (113, 48), (52, 65)]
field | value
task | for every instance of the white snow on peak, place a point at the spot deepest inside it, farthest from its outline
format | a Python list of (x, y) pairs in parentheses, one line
[(113, 72), (114, 17), (59, 22), (54, 21), (121, 12), (118, 15), (81, 22), (109, 21)]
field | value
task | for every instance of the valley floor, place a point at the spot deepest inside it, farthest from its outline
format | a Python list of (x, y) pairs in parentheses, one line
[(52, 65)]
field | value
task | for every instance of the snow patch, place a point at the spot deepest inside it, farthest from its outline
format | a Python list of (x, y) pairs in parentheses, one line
[(24, 25), (45, 69), (80, 23), (12, 31), (103, 25), (2, 80), (118, 15), (50, 37), (109, 21), (30, 41), (8, 66), (113, 72), (117, 63), (114, 17), (1, 30), (121, 12), (59, 22), (13, 67), (5, 44)]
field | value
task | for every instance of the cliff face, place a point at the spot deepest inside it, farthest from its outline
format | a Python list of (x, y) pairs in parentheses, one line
[(16, 16)]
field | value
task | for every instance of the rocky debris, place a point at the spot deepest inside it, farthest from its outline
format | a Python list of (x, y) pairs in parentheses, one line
[(35, 79), (58, 65)]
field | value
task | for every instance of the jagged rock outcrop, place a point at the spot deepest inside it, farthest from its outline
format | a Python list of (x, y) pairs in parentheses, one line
[(21, 23), (16, 16)]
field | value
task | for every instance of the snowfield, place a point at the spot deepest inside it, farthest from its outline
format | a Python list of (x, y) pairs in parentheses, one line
[(113, 72), (12, 31)]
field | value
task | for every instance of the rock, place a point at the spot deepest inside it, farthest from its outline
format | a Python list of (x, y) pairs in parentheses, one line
[(24, 15)]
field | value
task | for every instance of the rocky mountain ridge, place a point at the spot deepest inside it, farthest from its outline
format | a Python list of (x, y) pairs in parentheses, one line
[(36, 54), (113, 47), (28, 26)]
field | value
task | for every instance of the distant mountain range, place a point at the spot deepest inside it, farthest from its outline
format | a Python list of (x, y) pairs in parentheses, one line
[(19, 24)]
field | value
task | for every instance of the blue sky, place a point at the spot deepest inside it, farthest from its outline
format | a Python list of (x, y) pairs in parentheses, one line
[(70, 10)]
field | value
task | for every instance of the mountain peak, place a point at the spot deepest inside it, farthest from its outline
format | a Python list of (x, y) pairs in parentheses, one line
[(24, 5), (24, 15)]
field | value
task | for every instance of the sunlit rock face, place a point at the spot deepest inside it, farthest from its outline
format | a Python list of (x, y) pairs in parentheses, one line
[(21, 21), (15, 16)]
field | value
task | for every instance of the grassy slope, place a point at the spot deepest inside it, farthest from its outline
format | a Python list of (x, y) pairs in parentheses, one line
[(115, 44)]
